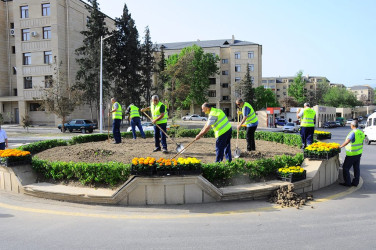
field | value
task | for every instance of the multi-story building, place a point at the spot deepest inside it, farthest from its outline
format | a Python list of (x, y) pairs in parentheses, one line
[(32, 33), (363, 93), (234, 56), (280, 85)]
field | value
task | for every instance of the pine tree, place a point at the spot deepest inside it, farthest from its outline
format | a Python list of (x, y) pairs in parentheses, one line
[(147, 67), (125, 60), (87, 78), (246, 88)]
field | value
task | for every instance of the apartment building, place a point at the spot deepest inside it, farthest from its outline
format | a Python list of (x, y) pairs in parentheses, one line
[(234, 56), (280, 85), (363, 93), (32, 33)]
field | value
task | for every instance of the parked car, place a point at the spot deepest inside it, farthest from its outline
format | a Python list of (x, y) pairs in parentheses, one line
[(281, 122), (338, 124), (194, 118), (360, 118), (146, 126), (370, 130), (290, 127), (341, 121), (362, 124), (79, 125), (330, 125), (349, 121)]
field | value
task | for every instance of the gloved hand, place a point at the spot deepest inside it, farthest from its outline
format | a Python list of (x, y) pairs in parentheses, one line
[(239, 112)]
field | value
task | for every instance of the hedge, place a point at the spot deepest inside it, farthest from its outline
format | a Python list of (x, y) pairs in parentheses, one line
[(113, 173)]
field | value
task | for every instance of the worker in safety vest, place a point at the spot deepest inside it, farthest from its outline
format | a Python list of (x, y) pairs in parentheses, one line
[(250, 120), (222, 131), (117, 116), (354, 149), (134, 116), (307, 124), (159, 115)]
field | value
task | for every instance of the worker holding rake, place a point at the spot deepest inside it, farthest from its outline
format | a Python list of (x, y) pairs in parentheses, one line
[(250, 120), (222, 131)]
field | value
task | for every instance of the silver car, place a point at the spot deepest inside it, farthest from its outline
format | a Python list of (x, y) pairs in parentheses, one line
[(290, 127), (194, 118)]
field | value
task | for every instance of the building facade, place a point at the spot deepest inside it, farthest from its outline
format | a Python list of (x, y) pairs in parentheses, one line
[(363, 93), (280, 85), (235, 56), (32, 33)]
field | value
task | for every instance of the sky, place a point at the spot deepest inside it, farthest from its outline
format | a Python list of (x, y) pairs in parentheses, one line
[(331, 38)]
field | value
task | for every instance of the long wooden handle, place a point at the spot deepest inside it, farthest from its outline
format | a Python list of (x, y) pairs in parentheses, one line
[(184, 148), (237, 133), (159, 128), (108, 127)]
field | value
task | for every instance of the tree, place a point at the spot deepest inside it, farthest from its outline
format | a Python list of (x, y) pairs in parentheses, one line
[(162, 78), (317, 96), (288, 102), (188, 76), (264, 98), (57, 97), (297, 90), (340, 97), (125, 60), (245, 88), (147, 66), (87, 78)]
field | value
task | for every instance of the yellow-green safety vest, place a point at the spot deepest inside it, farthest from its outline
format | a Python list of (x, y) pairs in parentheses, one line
[(251, 118), (134, 112), (222, 125), (118, 114), (308, 119), (155, 111), (356, 147)]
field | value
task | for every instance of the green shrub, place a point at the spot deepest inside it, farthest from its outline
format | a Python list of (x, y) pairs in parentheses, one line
[(40, 146)]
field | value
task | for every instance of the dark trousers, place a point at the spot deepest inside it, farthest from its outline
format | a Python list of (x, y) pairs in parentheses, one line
[(2, 146), (351, 161), (116, 130), (158, 134), (306, 133), (223, 146), (251, 145), (136, 121)]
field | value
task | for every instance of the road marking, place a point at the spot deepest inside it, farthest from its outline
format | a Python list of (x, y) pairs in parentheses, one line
[(173, 216)]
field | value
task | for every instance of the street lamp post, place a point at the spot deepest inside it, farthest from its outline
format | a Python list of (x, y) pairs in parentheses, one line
[(101, 87)]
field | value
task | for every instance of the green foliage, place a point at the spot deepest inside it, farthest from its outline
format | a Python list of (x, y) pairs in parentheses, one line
[(297, 89), (40, 146), (147, 65), (340, 97), (264, 98), (245, 89)]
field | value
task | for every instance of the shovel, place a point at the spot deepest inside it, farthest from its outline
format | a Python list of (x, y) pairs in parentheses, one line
[(184, 149), (179, 146), (237, 149)]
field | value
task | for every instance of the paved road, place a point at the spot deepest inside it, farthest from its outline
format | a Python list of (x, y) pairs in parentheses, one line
[(341, 218)]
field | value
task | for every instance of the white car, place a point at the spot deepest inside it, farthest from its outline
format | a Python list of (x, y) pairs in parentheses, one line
[(370, 129), (349, 121), (290, 127), (146, 126), (194, 118)]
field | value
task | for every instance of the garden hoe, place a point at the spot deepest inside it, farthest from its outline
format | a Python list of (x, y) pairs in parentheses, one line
[(184, 149), (237, 149), (108, 127), (179, 146)]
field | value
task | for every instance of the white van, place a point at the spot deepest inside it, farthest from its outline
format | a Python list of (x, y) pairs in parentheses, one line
[(370, 129)]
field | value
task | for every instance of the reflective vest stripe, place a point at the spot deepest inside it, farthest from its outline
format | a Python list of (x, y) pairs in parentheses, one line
[(118, 114), (251, 118), (155, 111), (222, 125), (134, 112), (308, 118), (215, 125), (355, 148)]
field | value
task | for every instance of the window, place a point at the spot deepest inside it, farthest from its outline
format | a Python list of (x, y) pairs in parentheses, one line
[(251, 67), (284, 87), (48, 81), (212, 93), (224, 85), (264, 81), (251, 54), (224, 61), (24, 11), (212, 81), (252, 78), (270, 81), (291, 80), (278, 89), (278, 96), (26, 58), (225, 72), (311, 87), (12, 25), (46, 32), (15, 92), (14, 71), (237, 79), (237, 68), (237, 55), (13, 49), (25, 34), (214, 55), (45, 9), (35, 107), (226, 98), (48, 57), (284, 93), (28, 82)]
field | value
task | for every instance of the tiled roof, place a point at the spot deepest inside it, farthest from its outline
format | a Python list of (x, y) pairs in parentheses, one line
[(205, 44), (359, 87)]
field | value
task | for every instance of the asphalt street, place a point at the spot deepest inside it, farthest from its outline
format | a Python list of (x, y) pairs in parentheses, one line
[(339, 218)]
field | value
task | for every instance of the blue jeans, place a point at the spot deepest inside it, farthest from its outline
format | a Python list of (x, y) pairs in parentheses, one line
[(158, 134), (223, 146), (136, 121), (116, 130), (306, 133), (351, 161)]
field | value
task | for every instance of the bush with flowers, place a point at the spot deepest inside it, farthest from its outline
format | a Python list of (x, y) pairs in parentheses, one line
[(321, 150), (10, 157), (292, 173), (322, 135)]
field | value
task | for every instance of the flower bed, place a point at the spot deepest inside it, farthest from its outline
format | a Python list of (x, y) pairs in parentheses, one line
[(321, 150), (291, 174), (12, 157), (164, 167), (322, 135)]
